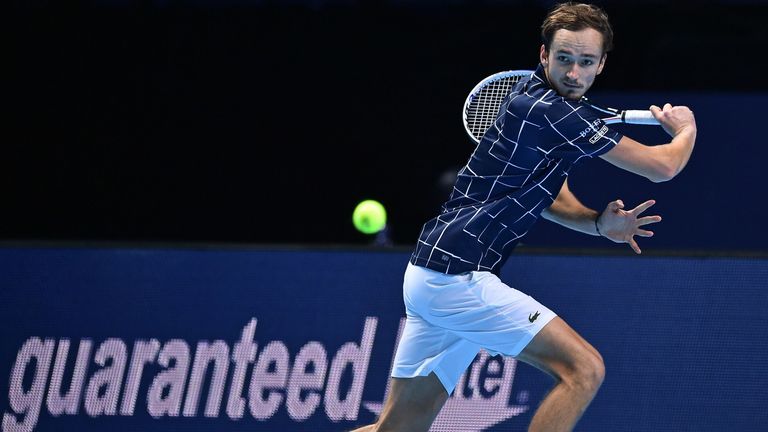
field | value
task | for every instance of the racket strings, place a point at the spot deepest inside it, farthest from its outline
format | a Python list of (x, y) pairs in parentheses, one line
[(484, 107)]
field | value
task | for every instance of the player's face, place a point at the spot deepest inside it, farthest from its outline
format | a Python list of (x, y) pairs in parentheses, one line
[(574, 59)]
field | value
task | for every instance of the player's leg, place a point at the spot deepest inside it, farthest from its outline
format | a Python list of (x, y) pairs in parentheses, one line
[(429, 359), (369, 428), (578, 368), (504, 320), (412, 405)]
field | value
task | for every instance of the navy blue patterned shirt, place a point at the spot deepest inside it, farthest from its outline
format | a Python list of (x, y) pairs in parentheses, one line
[(515, 172)]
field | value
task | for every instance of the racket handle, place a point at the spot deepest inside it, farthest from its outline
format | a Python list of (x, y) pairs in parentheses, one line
[(643, 117)]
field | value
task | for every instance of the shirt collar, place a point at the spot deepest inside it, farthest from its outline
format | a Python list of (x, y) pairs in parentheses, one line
[(540, 76)]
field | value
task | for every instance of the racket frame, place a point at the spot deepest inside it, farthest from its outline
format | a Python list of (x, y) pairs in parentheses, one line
[(643, 117)]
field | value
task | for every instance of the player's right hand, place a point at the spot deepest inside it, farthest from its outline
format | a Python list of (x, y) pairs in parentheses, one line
[(675, 119)]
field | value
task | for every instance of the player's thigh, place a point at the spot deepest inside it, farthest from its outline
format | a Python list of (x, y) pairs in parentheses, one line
[(560, 351), (412, 404)]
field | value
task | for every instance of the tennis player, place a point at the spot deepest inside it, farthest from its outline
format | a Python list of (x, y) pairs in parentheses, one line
[(455, 302)]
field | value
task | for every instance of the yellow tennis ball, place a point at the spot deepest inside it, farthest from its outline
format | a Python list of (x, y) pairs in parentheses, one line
[(369, 217)]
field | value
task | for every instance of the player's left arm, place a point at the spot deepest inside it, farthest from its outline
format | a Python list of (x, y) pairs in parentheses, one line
[(569, 212), (614, 223)]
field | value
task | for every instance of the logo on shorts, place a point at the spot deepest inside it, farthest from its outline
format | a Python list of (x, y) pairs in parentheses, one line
[(533, 317)]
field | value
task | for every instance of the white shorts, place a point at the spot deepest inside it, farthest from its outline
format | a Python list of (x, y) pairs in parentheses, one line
[(450, 317)]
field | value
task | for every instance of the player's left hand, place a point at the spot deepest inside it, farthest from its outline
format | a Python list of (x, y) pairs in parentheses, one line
[(621, 226)]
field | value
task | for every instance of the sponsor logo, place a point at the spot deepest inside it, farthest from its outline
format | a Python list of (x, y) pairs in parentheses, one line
[(591, 128), (215, 379), (598, 128), (601, 133), (532, 317), (113, 388)]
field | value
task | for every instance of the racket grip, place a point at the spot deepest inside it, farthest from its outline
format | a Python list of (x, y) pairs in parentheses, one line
[(643, 117)]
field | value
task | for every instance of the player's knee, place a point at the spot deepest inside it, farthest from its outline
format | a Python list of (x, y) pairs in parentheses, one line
[(588, 372)]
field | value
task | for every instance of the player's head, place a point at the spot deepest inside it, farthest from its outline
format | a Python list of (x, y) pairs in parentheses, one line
[(576, 38)]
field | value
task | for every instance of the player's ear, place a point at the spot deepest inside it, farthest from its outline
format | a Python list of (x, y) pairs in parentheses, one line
[(543, 55), (601, 65)]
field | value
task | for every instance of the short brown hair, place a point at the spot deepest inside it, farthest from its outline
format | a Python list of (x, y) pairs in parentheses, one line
[(574, 17)]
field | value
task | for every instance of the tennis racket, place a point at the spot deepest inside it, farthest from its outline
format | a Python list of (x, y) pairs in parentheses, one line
[(482, 105)]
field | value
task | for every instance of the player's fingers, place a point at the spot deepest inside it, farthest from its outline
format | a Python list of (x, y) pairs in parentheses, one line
[(645, 220), (634, 246), (616, 205), (643, 207), (654, 109), (667, 106), (644, 233)]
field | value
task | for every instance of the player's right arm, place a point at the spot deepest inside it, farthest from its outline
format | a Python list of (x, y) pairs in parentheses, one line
[(663, 162)]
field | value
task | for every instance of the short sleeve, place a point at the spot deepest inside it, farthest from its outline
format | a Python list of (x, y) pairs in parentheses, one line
[(577, 131)]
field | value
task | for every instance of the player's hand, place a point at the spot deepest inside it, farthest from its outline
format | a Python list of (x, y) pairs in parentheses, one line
[(621, 226), (674, 119)]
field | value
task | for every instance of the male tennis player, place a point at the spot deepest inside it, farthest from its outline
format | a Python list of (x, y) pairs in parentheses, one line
[(455, 301)]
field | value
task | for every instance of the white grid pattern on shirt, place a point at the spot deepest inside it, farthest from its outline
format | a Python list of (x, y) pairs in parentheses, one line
[(489, 205)]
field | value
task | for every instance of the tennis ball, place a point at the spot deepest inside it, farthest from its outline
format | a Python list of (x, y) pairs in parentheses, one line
[(369, 217)]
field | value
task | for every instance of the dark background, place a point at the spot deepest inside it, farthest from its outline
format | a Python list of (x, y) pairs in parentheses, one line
[(266, 122)]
